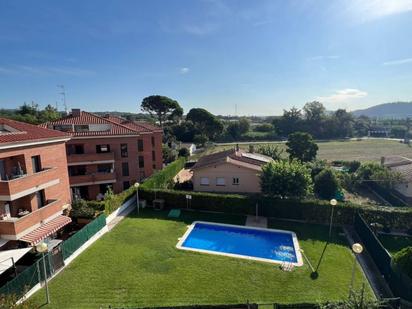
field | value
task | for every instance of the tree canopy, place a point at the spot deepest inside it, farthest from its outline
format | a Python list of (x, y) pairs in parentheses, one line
[(162, 108), (301, 147), (205, 122), (286, 179)]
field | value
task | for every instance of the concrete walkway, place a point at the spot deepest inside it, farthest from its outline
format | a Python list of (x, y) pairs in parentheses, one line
[(372, 273), (121, 216), (259, 222)]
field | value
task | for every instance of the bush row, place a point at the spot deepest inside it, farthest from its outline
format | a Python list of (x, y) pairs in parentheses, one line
[(314, 211), (163, 178)]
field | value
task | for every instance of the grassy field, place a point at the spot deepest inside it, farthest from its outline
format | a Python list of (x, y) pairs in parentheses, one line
[(362, 150), (395, 243), (137, 264)]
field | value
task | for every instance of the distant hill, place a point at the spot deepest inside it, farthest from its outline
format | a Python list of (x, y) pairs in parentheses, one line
[(387, 110)]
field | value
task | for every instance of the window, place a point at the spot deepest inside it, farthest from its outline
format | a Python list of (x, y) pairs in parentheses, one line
[(153, 141), (141, 161), (125, 169), (104, 187), (36, 164), (153, 155), (220, 181), (141, 175), (139, 145), (102, 148), (77, 170), (126, 185), (123, 150), (154, 166), (75, 149), (81, 128), (235, 181), (204, 181), (105, 168), (41, 200)]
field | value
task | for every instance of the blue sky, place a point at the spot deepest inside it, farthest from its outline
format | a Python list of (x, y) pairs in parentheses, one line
[(263, 56)]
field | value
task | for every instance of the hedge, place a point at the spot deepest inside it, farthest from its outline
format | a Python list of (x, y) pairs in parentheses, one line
[(113, 202), (163, 178), (314, 211)]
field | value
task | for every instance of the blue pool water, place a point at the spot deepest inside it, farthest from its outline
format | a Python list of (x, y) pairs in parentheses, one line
[(267, 244)]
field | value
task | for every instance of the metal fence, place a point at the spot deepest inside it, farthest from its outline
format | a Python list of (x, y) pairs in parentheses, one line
[(34, 274), (399, 283), (78, 239)]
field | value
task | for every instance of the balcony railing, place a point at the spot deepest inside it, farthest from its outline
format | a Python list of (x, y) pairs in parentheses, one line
[(90, 158), (14, 226), (92, 178), (26, 184)]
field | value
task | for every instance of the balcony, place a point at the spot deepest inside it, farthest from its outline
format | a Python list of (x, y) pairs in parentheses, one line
[(90, 158), (13, 228), (90, 179), (26, 184)]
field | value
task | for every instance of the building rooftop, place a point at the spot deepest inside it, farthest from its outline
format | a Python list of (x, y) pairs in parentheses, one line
[(399, 164), (15, 132), (81, 123), (237, 157)]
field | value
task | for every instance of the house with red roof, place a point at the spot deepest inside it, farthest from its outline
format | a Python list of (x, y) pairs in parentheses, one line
[(233, 170), (34, 183), (108, 151)]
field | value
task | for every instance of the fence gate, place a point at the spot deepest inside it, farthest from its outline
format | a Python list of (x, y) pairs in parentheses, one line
[(57, 258)]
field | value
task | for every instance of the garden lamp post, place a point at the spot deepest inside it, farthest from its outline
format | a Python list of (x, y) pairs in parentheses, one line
[(136, 185), (188, 199), (357, 248), (42, 248), (333, 203)]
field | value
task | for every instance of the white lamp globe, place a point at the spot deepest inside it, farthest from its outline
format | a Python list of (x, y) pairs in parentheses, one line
[(357, 248), (333, 202)]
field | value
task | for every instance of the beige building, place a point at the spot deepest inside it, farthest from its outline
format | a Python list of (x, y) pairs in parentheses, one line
[(229, 171), (403, 166)]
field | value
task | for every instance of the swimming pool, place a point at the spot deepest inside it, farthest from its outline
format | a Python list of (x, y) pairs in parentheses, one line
[(266, 245)]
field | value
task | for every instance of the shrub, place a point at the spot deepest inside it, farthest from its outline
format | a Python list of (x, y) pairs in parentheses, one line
[(81, 209), (286, 179), (272, 151), (326, 184), (403, 259), (183, 152), (114, 201), (162, 179)]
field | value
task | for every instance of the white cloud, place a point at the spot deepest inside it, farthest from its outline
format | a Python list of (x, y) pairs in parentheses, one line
[(343, 96), (372, 9), (184, 70), (398, 61)]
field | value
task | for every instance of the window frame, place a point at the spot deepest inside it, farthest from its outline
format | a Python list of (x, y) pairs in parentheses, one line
[(202, 183)]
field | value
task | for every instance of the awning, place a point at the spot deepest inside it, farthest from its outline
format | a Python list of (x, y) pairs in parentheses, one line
[(46, 229), (9, 257)]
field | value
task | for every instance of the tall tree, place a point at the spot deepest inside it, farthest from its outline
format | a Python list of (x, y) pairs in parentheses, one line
[(314, 114), (301, 147), (162, 108), (205, 122), (344, 121), (291, 121)]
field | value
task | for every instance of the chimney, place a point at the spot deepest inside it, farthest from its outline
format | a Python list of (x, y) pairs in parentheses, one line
[(76, 112), (382, 161)]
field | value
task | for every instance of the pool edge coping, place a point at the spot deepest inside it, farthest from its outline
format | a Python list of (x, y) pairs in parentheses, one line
[(298, 253)]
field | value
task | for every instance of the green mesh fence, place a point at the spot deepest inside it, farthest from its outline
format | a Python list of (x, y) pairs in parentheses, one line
[(78, 239), (35, 273)]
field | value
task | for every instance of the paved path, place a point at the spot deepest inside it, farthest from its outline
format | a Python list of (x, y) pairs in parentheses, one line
[(377, 282), (260, 222), (121, 216)]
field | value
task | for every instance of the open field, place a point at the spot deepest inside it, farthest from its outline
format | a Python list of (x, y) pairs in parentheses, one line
[(362, 150), (137, 264)]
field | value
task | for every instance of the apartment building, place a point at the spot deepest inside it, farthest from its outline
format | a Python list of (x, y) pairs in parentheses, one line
[(34, 184), (107, 152)]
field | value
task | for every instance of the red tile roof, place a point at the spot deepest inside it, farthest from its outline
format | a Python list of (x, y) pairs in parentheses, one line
[(232, 156), (17, 132), (116, 125)]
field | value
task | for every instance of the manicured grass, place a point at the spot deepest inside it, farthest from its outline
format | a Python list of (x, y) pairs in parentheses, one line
[(395, 243), (137, 264), (363, 150)]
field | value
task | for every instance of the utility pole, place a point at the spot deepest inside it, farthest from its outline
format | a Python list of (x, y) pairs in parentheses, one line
[(63, 93)]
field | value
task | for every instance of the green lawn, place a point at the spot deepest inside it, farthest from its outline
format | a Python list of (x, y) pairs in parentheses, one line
[(137, 264), (395, 243), (363, 150)]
